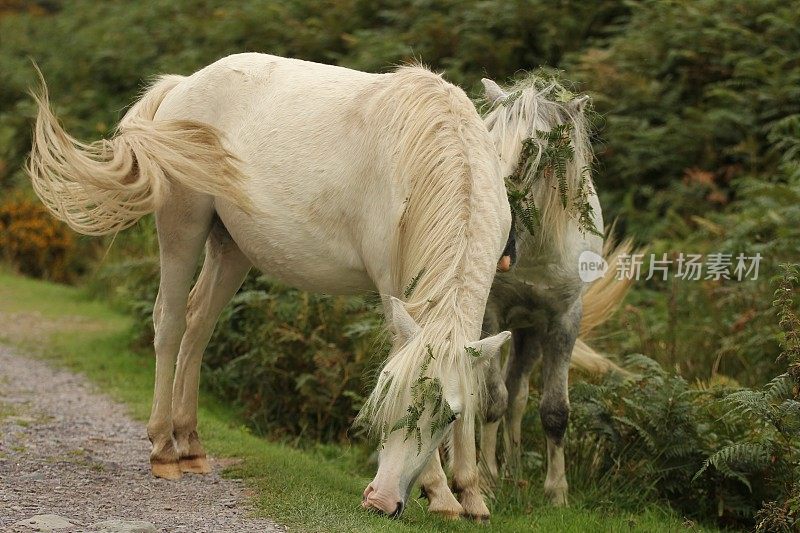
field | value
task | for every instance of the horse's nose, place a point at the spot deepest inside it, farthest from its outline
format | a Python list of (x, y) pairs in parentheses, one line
[(398, 510), (509, 256)]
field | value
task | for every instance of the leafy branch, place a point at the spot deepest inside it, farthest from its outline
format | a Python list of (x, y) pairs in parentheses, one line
[(548, 155), (425, 392)]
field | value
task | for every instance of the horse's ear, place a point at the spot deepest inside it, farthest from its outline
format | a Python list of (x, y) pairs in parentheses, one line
[(404, 326), (492, 91), (488, 348), (577, 105)]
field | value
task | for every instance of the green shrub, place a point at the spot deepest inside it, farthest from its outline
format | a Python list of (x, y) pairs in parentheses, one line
[(36, 244), (298, 362), (715, 450)]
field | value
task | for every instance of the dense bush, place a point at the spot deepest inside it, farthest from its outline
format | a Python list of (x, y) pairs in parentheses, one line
[(710, 327), (691, 88), (713, 449), (33, 242), (298, 363)]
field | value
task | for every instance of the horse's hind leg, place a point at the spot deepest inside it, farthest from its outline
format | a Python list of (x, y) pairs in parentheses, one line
[(554, 405), (224, 269), (183, 225)]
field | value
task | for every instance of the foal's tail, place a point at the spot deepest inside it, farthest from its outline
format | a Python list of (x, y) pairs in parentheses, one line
[(108, 185), (600, 301)]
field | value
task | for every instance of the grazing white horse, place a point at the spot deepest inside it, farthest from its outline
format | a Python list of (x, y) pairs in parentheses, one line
[(327, 179)]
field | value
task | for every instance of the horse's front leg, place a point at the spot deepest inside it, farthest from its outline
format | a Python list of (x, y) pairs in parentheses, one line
[(554, 405), (524, 352), (433, 483), (495, 401), (466, 481)]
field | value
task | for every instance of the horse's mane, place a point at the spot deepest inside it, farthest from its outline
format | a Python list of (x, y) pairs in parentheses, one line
[(442, 151), (534, 105)]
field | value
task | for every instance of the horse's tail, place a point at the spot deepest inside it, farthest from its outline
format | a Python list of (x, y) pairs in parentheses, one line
[(108, 185), (600, 301)]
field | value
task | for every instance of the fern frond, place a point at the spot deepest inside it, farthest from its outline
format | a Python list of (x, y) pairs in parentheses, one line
[(738, 455)]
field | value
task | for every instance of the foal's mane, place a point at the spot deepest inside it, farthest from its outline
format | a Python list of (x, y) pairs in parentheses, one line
[(535, 105), (441, 150)]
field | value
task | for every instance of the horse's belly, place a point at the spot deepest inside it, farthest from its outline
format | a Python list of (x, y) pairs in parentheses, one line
[(295, 256)]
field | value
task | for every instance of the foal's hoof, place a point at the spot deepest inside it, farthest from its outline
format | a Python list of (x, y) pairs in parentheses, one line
[(170, 471), (197, 464), (557, 496)]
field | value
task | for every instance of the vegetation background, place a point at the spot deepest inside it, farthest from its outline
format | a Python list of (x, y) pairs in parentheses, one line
[(698, 151)]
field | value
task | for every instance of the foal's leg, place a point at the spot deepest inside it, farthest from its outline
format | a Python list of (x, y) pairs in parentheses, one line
[(433, 482), (495, 403), (521, 360), (494, 409), (224, 269), (554, 405), (183, 225)]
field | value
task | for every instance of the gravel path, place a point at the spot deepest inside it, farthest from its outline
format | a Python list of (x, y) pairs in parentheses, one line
[(66, 449)]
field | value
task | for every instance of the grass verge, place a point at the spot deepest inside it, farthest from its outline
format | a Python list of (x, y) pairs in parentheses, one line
[(316, 489)]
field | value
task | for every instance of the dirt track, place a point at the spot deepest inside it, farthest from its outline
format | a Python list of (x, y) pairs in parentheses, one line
[(66, 449)]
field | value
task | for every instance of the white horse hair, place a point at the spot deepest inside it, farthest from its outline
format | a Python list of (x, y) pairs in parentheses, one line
[(327, 179), (529, 107)]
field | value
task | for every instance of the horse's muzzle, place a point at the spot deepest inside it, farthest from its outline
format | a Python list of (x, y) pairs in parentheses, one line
[(398, 511), (509, 256)]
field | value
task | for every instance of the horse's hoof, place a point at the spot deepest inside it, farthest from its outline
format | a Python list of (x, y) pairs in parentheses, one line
[(449, 510), (197, 464), (170, 471), (481, 519), (557, 496), (447, 515), (474, 508)]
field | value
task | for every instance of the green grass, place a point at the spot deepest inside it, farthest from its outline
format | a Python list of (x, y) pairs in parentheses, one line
[(316, 489)]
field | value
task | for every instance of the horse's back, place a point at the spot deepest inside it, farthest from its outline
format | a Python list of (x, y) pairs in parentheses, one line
[(313, 170), (319, 146)]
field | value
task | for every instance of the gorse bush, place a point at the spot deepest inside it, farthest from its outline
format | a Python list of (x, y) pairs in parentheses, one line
[(34, 243)]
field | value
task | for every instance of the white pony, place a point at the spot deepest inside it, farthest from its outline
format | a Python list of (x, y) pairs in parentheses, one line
[(543, 299), (327, 179)]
